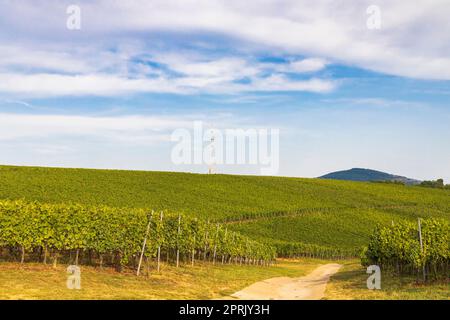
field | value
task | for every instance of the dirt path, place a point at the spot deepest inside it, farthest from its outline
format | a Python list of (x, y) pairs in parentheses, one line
[(310, 287)]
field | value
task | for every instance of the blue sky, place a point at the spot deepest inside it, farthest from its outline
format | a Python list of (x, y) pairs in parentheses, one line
[(343, 95)]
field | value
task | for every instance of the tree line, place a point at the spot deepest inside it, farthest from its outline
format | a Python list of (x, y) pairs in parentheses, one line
[(439, 184)]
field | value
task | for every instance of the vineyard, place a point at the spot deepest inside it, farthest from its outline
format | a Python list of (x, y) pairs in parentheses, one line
[(111, 236), (298, 217), (421, 248)]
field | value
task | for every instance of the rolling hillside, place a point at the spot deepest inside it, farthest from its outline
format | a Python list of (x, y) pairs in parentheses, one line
[(283, 211), (359, 174)]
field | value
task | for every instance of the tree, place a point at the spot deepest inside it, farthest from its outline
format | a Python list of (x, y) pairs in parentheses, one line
[(439, 183)]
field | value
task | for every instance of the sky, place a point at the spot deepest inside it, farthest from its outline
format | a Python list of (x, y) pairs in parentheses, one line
[(346, 86)]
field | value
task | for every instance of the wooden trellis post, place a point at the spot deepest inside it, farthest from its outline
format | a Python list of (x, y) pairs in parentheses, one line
[(421, 248), (178, 241), (143, 245), (225, 239), (45, 254), (159, 246), (215, 244), (76, 256), (206, 240), (193, 252)]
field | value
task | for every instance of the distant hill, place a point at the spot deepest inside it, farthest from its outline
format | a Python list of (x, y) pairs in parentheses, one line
[(359, 174)]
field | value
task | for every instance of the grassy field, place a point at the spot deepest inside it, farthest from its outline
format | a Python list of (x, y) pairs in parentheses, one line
[(312, 211), (37, 281), (350, 283)]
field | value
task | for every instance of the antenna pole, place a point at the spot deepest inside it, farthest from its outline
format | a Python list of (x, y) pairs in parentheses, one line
[(212, 145)]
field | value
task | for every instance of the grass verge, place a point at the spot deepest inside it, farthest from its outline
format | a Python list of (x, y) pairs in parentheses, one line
[(350, 283), (203, 281)]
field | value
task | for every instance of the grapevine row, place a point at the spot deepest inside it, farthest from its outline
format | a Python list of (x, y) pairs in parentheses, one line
[(298, 250), (421, 248), (115, 236)]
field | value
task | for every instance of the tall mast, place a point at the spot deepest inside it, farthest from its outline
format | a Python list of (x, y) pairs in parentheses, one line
[(212, 146)]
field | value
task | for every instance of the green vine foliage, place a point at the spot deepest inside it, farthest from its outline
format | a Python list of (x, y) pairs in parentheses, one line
[(119, 233), (299, 249), (397, 247)]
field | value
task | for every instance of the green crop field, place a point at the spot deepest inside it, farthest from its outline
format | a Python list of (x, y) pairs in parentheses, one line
[(282, 211)]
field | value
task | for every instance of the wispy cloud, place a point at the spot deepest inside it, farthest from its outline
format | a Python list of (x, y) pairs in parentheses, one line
[(140, 129), (96, 60), (44, 84), (129, 129), (323, 28), (377, 102), (301, 65)]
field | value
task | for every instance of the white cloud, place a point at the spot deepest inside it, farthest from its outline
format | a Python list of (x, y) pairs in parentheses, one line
[(414, 42), (99, 71), (121, 128), (377, 102), (201, 66), (36, 85), (307, 65), (96, 84), (36, 70), (17, 57), (127, 129), (281, 83), (410, 43)]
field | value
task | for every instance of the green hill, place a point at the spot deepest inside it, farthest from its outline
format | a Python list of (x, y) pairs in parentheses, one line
[(283, 211), (359, 174)]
